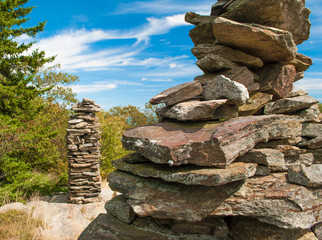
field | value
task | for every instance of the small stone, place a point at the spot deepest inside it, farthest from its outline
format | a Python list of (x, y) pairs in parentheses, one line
[(317, 229), (311, 130), (118, 207), (309, 176), (178, 93), (297, 93), (254, 104), (272, 158), (311, 114), (202, 34), (213, 63), (191, 110), (223, 88), (196, 19)]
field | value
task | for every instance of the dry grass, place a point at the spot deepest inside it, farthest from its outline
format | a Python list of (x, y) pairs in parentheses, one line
[(19, 225)]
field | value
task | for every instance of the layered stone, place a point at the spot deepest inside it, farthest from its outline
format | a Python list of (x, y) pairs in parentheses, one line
[(202, 34), (306, 175), (178, 93), (208, 143), (283, 14), (214, 63), (269, 44), (190, 175), (202, 50), (290, 206)]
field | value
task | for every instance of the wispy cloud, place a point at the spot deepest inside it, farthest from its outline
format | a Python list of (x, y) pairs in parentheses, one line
[(164, 7), (157, 79), (91, 88), (310, 84)]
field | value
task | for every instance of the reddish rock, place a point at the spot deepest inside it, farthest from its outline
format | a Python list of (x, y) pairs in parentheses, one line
[(208, 143), (178, 93), (269, 44), (277, 79)]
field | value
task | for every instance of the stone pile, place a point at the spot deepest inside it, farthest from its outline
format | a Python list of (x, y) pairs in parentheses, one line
[(83, 146), (237, 154)]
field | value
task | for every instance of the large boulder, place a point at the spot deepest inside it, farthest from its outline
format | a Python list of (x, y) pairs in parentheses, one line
[(284, 14), (269, 44), (208, 143)]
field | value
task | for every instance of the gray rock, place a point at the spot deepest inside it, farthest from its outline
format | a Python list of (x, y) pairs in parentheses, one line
[(272, 158), (254, 104), (311, 114), (202, 34), (178, 93), (310, 176), (297, 92), (196, 19), (223, 88), (238, 74), (119, 208), (312, 144), (289, 105), (312, 130), (317, 229), (213, 63), (236, 56), (191, 110), (190, 175), (269, 44)]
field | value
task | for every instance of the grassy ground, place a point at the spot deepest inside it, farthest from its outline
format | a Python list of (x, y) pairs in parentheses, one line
[(19, 225)]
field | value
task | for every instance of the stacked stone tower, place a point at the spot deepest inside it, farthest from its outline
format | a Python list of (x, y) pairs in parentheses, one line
[(237, 154), (83, 146)]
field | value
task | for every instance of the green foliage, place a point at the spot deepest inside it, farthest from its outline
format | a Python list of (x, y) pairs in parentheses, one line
[(17, 67), (113, 124), (320, 107)]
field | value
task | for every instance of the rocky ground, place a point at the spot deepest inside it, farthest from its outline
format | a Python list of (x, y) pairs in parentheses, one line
[(64, 221)]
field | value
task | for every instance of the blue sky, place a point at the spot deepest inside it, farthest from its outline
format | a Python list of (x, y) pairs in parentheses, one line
[(125, 52)]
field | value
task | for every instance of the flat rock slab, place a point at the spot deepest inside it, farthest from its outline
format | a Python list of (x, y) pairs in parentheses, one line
[(310, 176), (254, 104), (290, 105), (288, 15), (178, 93), (269, 44), (191, 110), (190, 175), (233, 55), (222, 87), (202, 34), (270, 199), (277, 79), (208, 143), (244, 228), (196, 19), (312, 130)]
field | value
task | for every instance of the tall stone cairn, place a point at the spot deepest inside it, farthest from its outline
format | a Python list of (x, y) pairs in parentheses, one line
[(237, 153), (83, 146)]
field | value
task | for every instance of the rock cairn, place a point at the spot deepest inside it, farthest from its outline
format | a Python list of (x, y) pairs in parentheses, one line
[(83, 146), (237, 154)]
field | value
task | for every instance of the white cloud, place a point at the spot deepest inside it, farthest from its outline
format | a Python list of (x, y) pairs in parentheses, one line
[(157, 79), (91, 88), (165, 7), (310, 84), (74, 48)]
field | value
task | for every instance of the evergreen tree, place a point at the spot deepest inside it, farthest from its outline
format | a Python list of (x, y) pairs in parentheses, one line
[(19, 65)]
